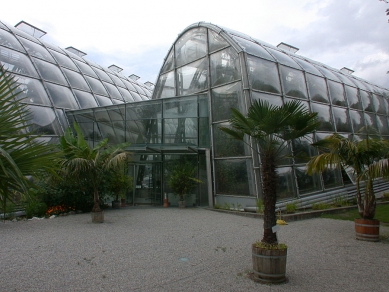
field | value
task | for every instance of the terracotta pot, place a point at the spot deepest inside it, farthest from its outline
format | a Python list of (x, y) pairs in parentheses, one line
[(367, 229), (123, 202), (165, 203), (269, 265), (97, 217)]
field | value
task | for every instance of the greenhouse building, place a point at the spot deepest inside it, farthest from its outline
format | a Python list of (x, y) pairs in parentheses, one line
[(208, 70)]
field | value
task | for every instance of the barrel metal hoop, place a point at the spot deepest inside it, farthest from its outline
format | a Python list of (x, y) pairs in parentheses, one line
[(269, 257), (367, 235), (366, 225), (269, 275)]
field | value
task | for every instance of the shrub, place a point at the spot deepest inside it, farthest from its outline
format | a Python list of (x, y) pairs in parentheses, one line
[(385, 197), (35, 208), (291, 207), (259, 204), (320, 206), (340, 201)]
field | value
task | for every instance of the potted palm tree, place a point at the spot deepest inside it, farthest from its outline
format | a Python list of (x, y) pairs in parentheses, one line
[(80, 163), (118, 184), (367, 159), (271, 127), (181, 180)]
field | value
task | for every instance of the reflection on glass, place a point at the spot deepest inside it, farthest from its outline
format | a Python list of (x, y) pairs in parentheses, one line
[(8, 40), (270, 98), (62, 96), (16, 62), (253, 48), (191, 46), (126, 94), (103, 76), (113, 91), (103, 100), (302, 149), (263, 75), (180, 108), (352, 97), (356, 120), (43, 121), (50, 72), (224, 98), (327, 73), (367, 101), (64, 61), (285, 183), (337, 93), (332, 178), (169, 62), (224, 145), (379, 104), (96, 85), (76, 80), (324, 115), (37, 50), (382, 123), (32, 91), (225, 67), (193, 77), (216, 42), (317, 88), (62, 118), (85, 99), (370, 120), (342, 121), (283, 58), (293, 82), (307, 183), (86, 69), (231, 177), (181, 131), (165, 86), (308, 67)]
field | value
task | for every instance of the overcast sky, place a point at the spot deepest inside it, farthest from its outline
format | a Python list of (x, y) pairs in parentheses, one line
[(136, 36)]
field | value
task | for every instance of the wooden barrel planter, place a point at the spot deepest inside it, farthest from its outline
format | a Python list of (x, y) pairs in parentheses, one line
[(97, 217), (269, 265), (367, 229)]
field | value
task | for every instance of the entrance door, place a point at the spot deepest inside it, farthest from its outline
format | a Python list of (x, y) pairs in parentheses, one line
[(148, 179)]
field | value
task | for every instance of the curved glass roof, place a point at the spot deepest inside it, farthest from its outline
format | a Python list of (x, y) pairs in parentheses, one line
[(55, 80)]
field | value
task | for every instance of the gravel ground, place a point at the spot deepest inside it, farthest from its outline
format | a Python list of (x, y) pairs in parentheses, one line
[(193, 249)]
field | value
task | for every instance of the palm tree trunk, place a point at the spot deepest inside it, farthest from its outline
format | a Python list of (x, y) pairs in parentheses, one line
[(369, 201), (269, 180), (359, 198), (96, 200)]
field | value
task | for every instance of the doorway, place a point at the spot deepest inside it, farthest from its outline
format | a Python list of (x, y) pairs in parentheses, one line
[(147, 186)]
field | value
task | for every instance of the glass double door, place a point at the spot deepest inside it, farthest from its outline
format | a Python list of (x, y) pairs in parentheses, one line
[(148, 184)]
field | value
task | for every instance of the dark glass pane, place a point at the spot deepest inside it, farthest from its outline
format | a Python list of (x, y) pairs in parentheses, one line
[(103, 100), (62, 96), (356, 120), (32, 91), (293, 82), (50, 72), (283, 58), (86, 69), (216, 41), (253, 48), (367, 101), (85, 99), (223, 99), (379, 104), (302, 149), (16, 62), (231, 177), (382, 123), (193, 77), (324, 115), (224, 145), (332, 178), (352, 97), (307, 183), (225, 67), (342, 121), (96, 85), (285, 183), (76, 80), (43, 121), (8, 40), (263, 75), (180, 108), (64, 60), (165, 86), (317, 88), (181, 131), (169, 62), (337, 93), (62, 118), (37, 50), (191, 46), (370, 120)]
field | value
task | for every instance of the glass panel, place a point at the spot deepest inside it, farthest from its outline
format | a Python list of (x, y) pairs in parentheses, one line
[(126, 94), (307, 183), (85, 99), (8, 40), (332, 178), (379, 104), (139, 89), (231, 177), (76, 80), (101, 115), (191, 46), (360, 84), (367, 101), (169, 62), (16, 62), (308, 67), (324, 115), (74, 56), (165, 86), (317, 88), (136, 96), (36, 50), (129, 85), (293, 82), (113, 91), (43, 121), (50, 72), (181, 131), (64, 61), (352, 97), (51, 46), (216, 41), (337, 93), (370, 120), (62, 96), (342, 121), (225, 67), (97, 86), (224, 98), (116, 80), (271, 99), (327, 73), (302, 149), (253, 48), (62, 118), (344, 79), (283, 58), (103, 76), (86, 69), (382, 123), (356, 120), (180, 108), (116, 101), (32, 91), (224, 145), (193, 77), (103, 101), (204, 140), (263, 75), (285, 183)]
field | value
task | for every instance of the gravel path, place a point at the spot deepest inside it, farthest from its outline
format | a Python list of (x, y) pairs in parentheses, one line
[(156, 249)]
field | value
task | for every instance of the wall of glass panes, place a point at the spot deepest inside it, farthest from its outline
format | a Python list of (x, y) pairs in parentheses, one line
[(234, 69), (53, 80)]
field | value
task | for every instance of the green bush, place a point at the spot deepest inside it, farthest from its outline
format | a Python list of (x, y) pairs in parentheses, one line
[(259, 204), (340, 201), (35, 209), (385, 197), (291, 207), (320, 206)]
